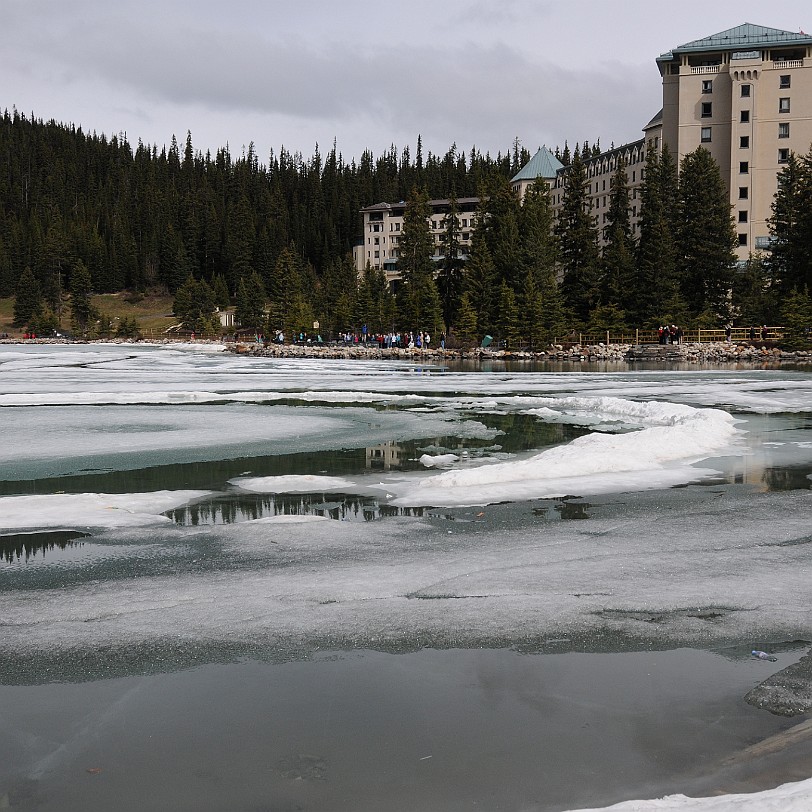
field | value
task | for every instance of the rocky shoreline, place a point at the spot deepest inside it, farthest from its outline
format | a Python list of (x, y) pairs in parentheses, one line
[(721, 353), (691, 353)]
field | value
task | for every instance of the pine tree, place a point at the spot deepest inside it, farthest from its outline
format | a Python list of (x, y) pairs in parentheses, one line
[(499, 223), (531, 314), (508, 316), (754, 298), (479, 280), (617, 261), (81, 309), (796, 315), (449, 281), (28, 302), (194, 305), (652, 282), (251, 298), (419, 303), (790, 259), (578, 243), (376, 305), (465, 328), (707, 236), (220, 289), (536, 241), (555, 319)]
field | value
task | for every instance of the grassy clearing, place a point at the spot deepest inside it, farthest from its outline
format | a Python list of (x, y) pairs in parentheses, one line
[(153, 311)]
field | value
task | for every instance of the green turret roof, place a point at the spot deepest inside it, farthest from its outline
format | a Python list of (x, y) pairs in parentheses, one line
[(542, 165), (743, 37)]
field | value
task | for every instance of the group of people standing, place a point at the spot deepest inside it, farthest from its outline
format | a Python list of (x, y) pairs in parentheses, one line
[(669, 334)]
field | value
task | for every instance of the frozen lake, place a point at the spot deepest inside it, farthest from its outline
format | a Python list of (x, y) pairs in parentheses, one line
[(279, 584)]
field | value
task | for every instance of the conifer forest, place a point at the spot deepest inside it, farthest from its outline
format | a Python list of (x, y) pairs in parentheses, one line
[(84, 213)]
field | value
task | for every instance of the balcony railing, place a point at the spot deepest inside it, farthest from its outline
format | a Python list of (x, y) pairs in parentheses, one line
[(788, 63), (706, 69)]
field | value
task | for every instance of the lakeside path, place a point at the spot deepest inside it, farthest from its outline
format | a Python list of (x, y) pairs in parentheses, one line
[(621, 353), (743, 353)]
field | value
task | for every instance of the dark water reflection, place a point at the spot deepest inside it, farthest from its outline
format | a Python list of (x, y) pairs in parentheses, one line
[(26, 546), (229, 509), (518, 434)]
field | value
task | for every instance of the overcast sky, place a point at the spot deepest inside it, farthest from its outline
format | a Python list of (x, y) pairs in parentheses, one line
[(367, 74)]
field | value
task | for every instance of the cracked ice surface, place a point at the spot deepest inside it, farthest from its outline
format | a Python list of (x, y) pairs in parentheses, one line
[(697, 570), (652, 563)]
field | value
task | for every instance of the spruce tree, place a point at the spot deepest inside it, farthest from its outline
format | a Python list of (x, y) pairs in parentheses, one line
[(479, 280), (555, 319), (617, 261), (651, 290), (796, 316), (755, 299), (707, 237), (251, 298), (194, 305), (418, 298), (220, 289), (536, 241), (578, 243), (465, 328), (790, 259), (449, 281), (531, 312), (81, 309), (508, 316), (28, 304)]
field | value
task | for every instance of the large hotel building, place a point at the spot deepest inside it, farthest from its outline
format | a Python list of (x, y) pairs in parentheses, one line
[(744, 94)]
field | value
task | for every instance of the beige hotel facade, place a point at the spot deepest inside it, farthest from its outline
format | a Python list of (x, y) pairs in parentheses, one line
[(744, 94)]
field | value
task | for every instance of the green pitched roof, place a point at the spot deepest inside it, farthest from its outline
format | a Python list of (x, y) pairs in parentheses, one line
[(542, 165), (743, 37)]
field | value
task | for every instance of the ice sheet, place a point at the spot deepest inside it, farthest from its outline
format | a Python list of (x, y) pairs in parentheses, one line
[(305, 483), (655, 457), (792, 797), (90, 510)]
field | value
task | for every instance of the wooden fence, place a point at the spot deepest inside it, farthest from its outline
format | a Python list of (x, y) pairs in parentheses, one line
[(700, 335)]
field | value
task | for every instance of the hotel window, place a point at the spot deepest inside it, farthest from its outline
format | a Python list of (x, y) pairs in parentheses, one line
[(397, 226), (745, 91), (705, 135), (742, 239), (744, 167), (783, 156), (707, 109), (744, 142), (377, 240), (784, 80), (783, 130), (707, 86), (744, 193), (742, 216), (783, 105), (745, 116)]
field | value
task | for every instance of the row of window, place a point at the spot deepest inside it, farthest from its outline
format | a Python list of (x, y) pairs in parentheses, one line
[(378, 227), (784, 81), (706, 111), (706, 135)]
